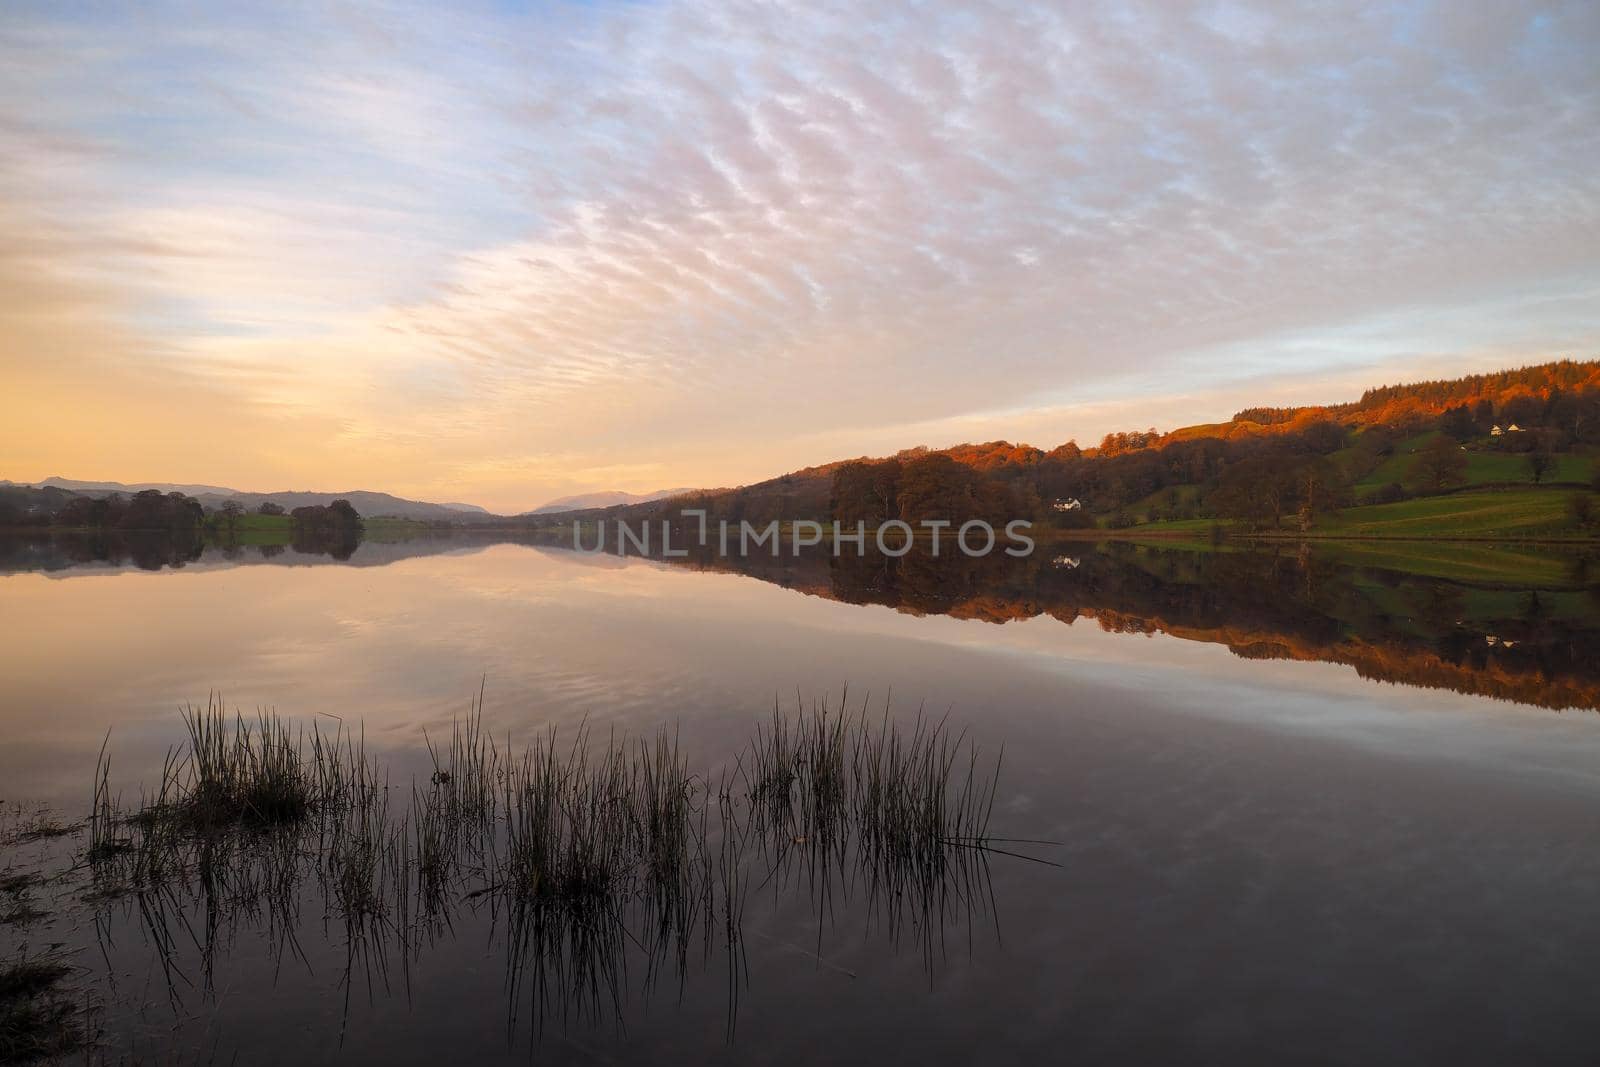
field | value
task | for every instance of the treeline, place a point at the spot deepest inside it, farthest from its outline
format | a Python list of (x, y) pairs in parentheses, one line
[(1508, 390), (150, 510), (315, 528), (933, 486), (953, 484), (24, 506)]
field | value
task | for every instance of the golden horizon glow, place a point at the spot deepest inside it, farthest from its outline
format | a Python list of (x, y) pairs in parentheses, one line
[(507, 256)]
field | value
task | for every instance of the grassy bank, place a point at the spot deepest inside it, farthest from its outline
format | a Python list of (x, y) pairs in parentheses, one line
[(1510, 514), (1515, 514)]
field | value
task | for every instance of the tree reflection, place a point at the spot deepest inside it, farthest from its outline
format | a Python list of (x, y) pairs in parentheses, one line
[(1492, 637), (1524, 626)]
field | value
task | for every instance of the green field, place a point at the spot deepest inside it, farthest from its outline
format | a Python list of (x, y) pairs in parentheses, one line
[(1485, 466), (1164, 526), (1509, 514), (253, 529), (1161, 502), (1508, 505), (250, 522), (1396, 468), (1488, 513), (387, 529)]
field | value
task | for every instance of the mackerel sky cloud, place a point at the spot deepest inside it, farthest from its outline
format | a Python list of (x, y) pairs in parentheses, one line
[(513, 251)]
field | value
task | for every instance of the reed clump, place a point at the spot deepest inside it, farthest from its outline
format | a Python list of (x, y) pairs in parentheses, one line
[(243, 771), (586, 846), (37, 1021), (234, 773), (561, 820), (829, 771)]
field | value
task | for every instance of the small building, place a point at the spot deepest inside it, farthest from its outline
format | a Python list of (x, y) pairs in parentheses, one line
[(1069, 504), (1496, 432)]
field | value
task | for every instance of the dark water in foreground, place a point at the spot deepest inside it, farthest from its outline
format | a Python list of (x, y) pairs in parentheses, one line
[(1310, 808)]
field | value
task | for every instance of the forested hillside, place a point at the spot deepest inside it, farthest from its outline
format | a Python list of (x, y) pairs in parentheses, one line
[(1524, 432)]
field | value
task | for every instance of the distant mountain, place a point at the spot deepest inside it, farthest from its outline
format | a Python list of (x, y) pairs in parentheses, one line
[(368, 503), (97, 488), (584, 501)]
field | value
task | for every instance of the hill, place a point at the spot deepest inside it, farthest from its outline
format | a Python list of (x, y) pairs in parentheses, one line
[(1533, 431), (613, 498)]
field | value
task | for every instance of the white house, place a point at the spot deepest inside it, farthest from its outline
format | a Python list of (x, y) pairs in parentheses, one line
[(1069, 504)]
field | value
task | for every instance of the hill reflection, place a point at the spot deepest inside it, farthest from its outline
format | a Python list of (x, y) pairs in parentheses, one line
[(1524, 628), (1507, 640)]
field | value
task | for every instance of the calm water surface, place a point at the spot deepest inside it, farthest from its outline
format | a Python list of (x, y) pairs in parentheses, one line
[(1285, 831)]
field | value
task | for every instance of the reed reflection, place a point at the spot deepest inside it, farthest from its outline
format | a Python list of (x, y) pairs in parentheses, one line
[(586, 860)]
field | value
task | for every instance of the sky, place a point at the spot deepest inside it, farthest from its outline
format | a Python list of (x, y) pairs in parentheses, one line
[(500, 253)]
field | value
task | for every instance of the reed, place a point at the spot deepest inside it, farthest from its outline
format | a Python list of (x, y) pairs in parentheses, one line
[(587, 847), (104, 811)]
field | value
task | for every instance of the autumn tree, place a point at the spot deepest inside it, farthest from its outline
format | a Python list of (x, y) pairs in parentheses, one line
[(1256, 491), (1459, 423), (1317, 486), (1238, 503), (1521, 406), (1321, 436), (936, 487), (866, 492), (1440, 463)]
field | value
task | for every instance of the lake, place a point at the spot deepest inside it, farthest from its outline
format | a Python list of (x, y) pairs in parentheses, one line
[(1303, 804)]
